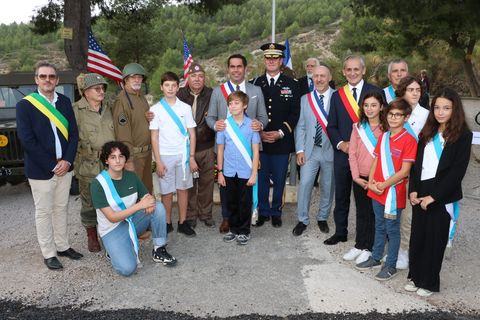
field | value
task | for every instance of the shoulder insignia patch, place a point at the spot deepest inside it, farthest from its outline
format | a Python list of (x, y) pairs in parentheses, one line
[(122, 119)]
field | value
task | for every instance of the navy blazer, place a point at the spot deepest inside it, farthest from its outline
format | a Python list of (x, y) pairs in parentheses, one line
[(35, 133), (446, 186), (339, 123)]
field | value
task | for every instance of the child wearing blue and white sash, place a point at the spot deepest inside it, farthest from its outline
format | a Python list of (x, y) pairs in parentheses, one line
[(436, 188), (125, 209), (173, 143), (394, 155), (237, 163), (363, 141)]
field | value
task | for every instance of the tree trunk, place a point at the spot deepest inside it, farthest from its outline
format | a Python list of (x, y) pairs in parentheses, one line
[(472, 81), (77, 16)]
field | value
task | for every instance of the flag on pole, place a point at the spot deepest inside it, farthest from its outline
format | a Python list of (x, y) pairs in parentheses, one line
[(99, 62), (187, 59), (287, 58)]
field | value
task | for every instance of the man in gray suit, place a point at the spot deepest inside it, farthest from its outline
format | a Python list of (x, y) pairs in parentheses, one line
[(314, 151), (218, 109)]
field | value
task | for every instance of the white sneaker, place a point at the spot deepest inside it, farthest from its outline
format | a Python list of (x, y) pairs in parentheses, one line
[(410, 286), (424, 292), (402, 260), (352, 254), (363, 256), (384, 259)]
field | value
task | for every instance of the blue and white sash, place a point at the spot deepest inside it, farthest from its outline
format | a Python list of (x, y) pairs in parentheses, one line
[(246, 151), (389, 93), (366, 135), (184, 132), (410, 130), (388, 170), (453, 208), (116, 203)]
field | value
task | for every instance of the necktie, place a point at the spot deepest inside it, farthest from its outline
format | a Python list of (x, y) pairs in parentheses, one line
[(318, 127), (272, 82), (194, 105), (310, 84), (238, 88), (354, 93)]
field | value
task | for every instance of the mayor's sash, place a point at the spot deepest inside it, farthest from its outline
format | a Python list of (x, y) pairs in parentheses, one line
[(318, 110), (227, 89), (366, 135), (388, 170), (48, 110), (349, 102), (389, 93), (246, 151), (184, 132), (116, 203)]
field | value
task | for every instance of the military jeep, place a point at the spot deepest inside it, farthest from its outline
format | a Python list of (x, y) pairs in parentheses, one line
[(13, 87)]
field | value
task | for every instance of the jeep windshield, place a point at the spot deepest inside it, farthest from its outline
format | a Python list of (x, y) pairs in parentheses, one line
[(10, 95)]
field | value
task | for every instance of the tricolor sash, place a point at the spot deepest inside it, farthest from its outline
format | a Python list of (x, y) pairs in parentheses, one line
[(388, 170), (389, 93), (366, 135), (453, 208), (226, 89), (246, 151), (184, 132), (48, 110), (318, 109), (349, 102), (116, 203)]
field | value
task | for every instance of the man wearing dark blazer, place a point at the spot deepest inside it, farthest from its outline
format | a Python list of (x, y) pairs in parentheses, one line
[(48, 132), (283, 109), (343, 113), (218, 110)]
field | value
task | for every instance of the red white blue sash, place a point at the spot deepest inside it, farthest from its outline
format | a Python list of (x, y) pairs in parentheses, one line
[(388, 170), (366, 135), (389, 93), (227, 89), (318, 109), (349, 102)]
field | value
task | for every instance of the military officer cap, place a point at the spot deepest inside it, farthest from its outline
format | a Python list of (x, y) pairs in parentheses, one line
[(272, 50), (195, 67)]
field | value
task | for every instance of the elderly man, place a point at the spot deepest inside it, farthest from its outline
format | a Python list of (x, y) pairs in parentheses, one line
[(131, 125), (200, 197), (314, 151), (344, 110), (306, 83), (218, 110), (283, 106), (48, 132), (396, 71)]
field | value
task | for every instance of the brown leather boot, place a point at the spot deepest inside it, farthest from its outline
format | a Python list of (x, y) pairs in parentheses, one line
[(224, 227), (93, 245)]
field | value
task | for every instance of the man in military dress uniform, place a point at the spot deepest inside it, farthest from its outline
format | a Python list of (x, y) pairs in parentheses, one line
[(131, 125), (282, 101)]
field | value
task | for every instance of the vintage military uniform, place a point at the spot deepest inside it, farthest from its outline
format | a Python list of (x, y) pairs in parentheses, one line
[(282, 102)]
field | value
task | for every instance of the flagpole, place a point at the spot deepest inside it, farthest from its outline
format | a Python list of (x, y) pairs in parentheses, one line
[(273, 20)]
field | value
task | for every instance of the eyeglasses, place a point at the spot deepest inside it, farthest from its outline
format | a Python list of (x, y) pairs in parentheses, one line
[(395, 115), (45, 76), (98, 89)]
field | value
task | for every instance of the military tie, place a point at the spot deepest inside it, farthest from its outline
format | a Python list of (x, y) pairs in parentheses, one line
[(311, 87), (272, 82), (194, 104), (238, 88), (318, 127), (355, 94)]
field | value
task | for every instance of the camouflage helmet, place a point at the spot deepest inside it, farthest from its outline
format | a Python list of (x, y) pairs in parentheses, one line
[(133, 68)]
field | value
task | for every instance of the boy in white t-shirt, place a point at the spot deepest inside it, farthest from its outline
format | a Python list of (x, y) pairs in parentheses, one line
[(173, 142)]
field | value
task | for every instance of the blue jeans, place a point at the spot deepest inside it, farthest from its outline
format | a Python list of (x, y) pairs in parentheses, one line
[(307, 177), (119, 246), (383, 228)]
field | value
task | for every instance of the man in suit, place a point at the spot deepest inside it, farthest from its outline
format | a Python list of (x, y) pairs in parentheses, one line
[(306, 83), (283, 106), (314, 151), (200, 197), (343, 113), (48, 132), (218, 110)]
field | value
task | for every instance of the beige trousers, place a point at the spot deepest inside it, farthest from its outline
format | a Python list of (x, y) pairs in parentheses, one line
[(405, 227), (51, 203)]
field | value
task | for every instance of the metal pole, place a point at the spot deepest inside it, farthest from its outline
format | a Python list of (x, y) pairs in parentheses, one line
[(273, 20)]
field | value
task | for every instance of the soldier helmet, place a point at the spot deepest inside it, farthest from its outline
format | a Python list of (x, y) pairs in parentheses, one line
[(133, 68), (85, 81)]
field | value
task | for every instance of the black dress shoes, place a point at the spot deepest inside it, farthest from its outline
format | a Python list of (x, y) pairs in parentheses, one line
[(261, 220), (299, 228), (276, 221), (323, 225), (70, 253), (53, 263), (335, 239)]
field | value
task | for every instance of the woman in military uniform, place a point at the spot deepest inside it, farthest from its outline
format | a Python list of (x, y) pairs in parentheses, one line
[(95, 126)]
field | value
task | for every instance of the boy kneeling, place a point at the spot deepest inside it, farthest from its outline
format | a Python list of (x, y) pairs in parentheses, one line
[(125, 209)]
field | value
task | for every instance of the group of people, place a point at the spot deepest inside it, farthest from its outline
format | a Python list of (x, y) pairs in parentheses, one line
[(358, 136)]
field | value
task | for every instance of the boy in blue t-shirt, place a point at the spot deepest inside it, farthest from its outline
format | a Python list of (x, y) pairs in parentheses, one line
[(237, 162)]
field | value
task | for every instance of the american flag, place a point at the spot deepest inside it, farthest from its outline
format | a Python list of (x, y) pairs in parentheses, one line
[(187, 59), (99, 62)]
